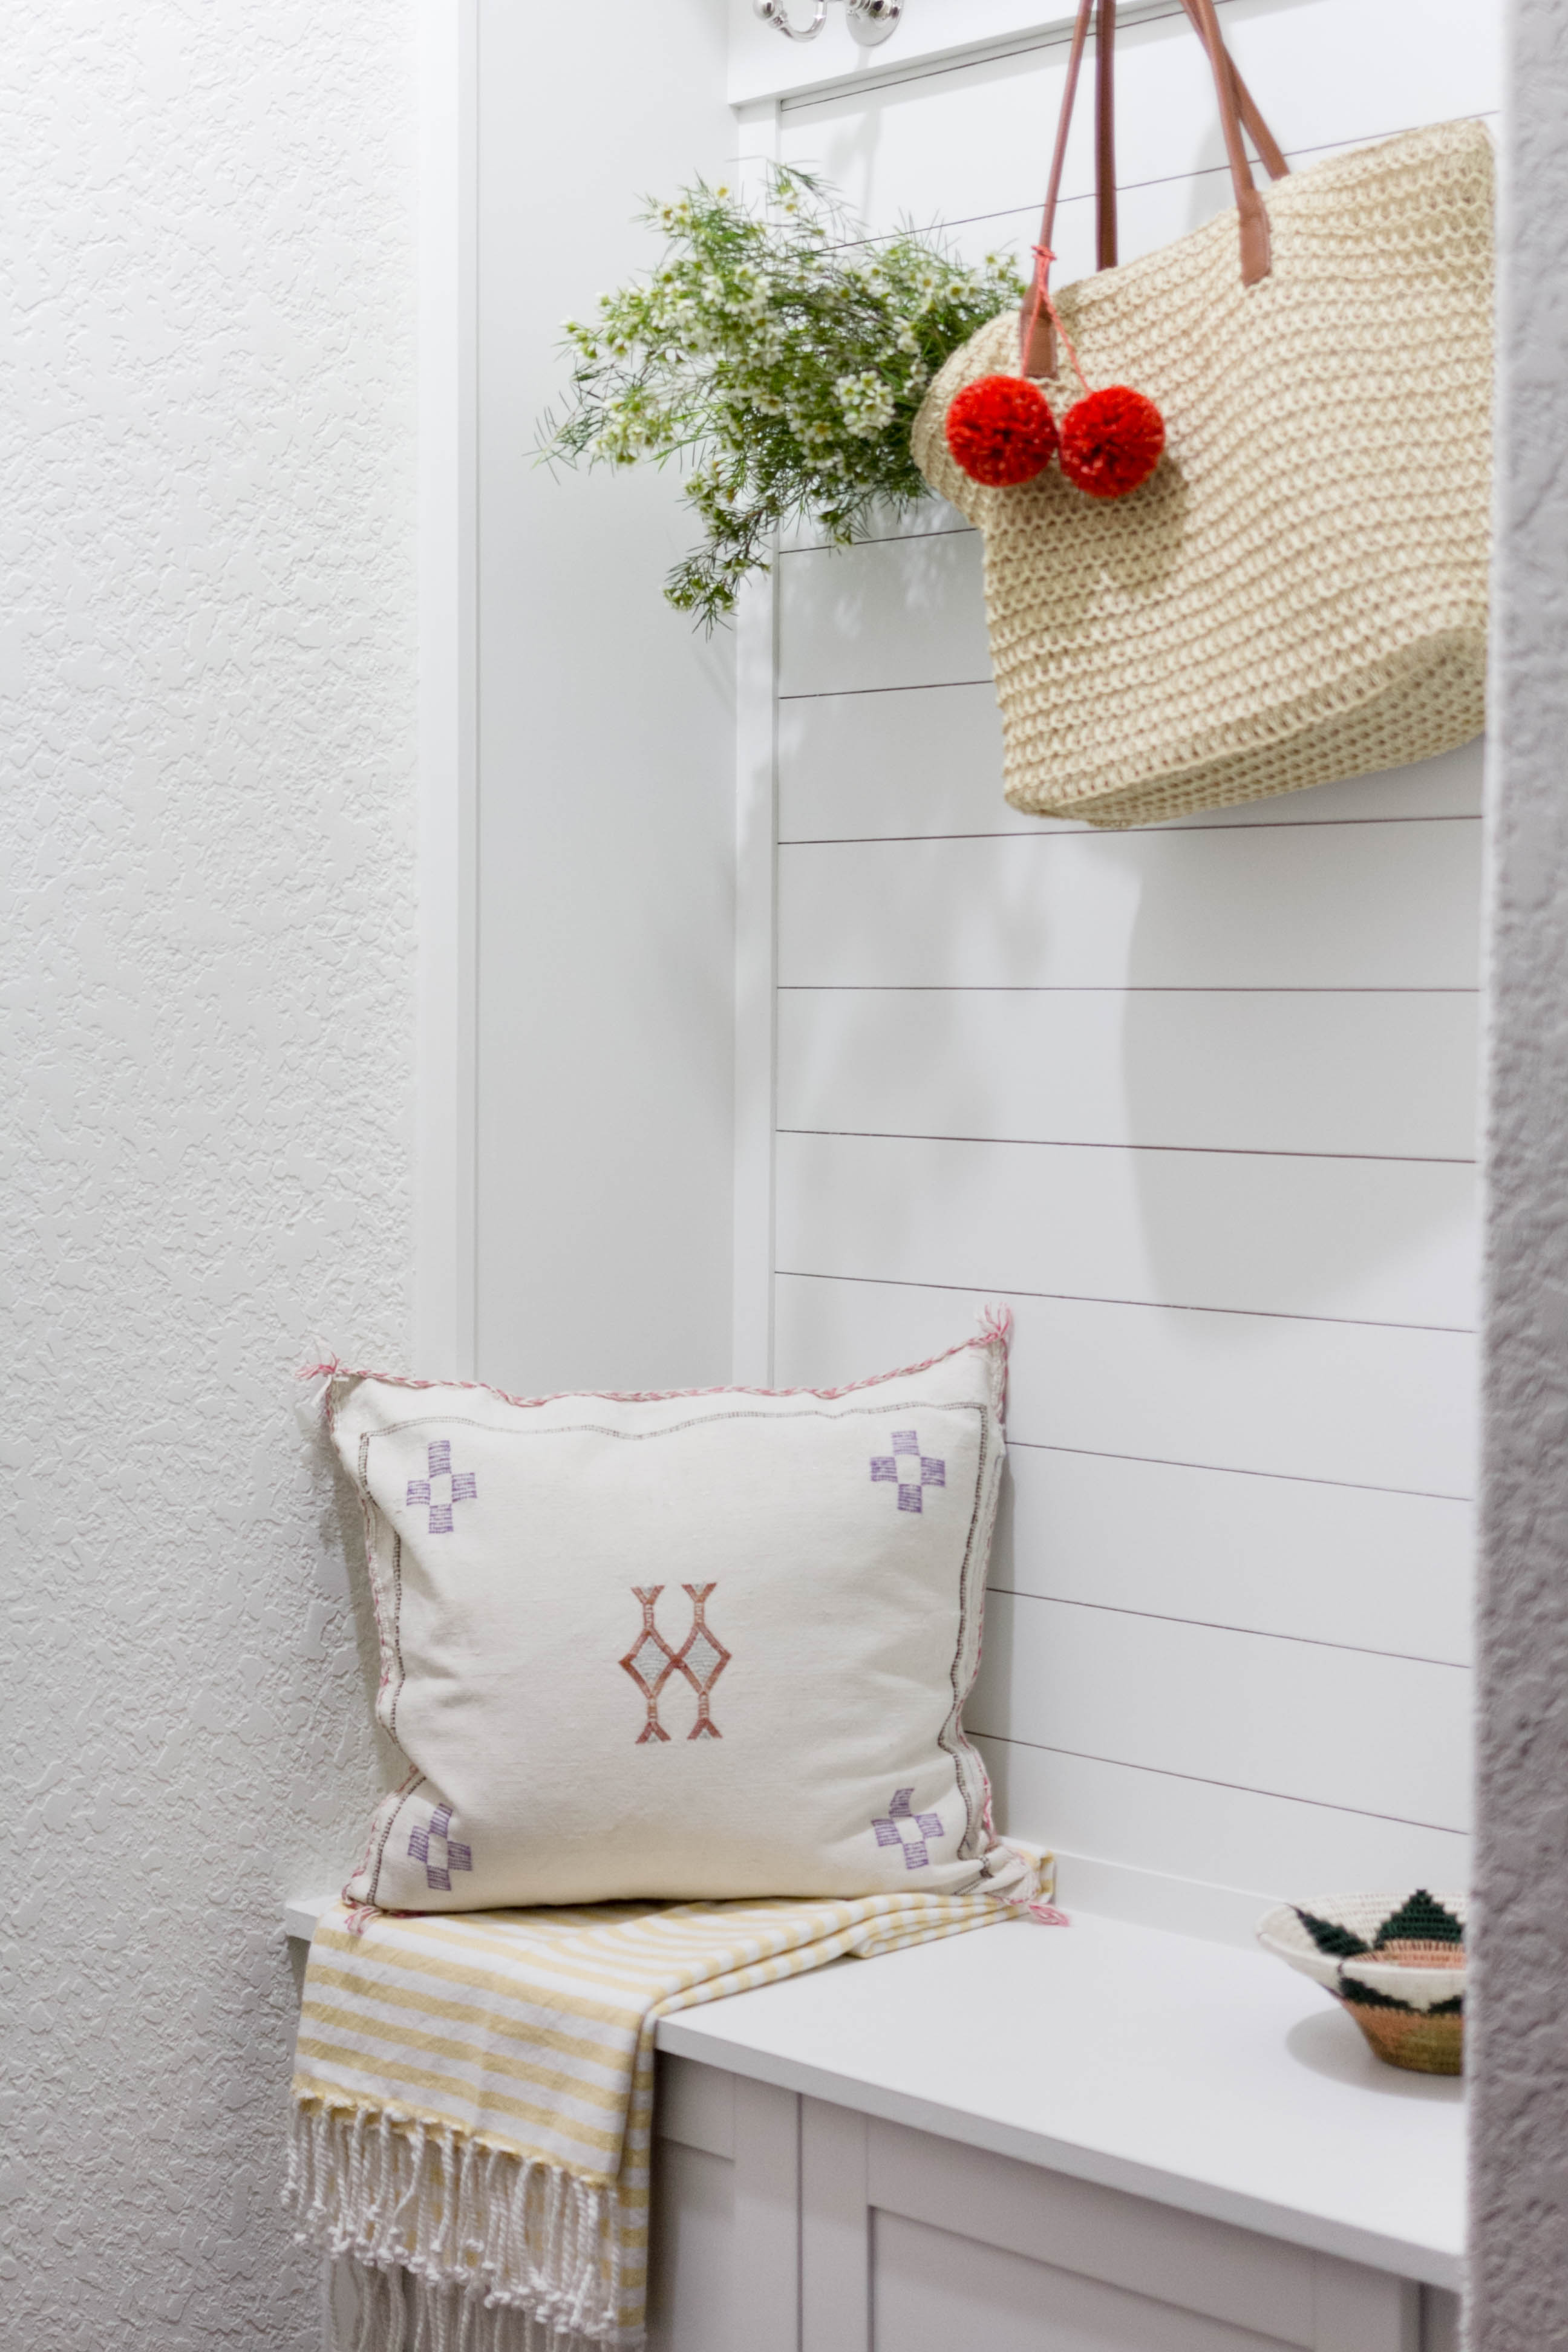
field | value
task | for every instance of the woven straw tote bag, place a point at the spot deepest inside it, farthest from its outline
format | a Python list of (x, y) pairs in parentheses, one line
[(1298, 593)]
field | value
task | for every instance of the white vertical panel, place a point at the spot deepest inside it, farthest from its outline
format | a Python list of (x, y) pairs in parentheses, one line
[(1366, 2310), (606, 1036), (693, 2285), (766, 2244), (756, 827), (444, 1273), (834, 2229), (692, 2252), (1439, 2320), (695, 2104)]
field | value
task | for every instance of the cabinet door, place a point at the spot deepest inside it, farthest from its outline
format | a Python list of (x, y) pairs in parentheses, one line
[(909, 2242), (724, 2224), (931, 2291), (793, 2225)]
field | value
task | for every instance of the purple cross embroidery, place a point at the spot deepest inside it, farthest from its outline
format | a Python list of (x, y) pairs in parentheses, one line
[(459, 1855), (460, 1487), (909, 1469), (889, 1830)]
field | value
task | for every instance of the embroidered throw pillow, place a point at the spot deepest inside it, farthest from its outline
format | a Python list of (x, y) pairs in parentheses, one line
[(711, 1645)]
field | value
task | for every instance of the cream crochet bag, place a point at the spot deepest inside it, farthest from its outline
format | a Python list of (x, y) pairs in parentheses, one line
[(1299, 591)]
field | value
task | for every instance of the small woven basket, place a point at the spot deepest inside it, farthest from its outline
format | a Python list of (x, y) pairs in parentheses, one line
[(1396, 1963)]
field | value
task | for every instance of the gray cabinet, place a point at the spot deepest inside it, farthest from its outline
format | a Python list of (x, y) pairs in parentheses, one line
[(782, 2224)]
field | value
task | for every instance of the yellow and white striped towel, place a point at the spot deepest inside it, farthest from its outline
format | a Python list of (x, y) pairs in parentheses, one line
[(474, 2098)]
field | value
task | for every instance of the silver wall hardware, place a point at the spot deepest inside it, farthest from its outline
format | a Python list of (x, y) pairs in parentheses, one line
[(870, 21)]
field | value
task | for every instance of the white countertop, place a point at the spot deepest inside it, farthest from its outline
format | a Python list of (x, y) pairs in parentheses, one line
[(1200, 2075), (1203, 2077)]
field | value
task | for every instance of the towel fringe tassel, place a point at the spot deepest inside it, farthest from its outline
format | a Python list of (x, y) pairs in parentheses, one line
[(443, 2245), (391, 2310)]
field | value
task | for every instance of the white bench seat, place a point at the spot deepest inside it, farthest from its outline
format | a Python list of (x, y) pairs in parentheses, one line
[(1098, 2139)]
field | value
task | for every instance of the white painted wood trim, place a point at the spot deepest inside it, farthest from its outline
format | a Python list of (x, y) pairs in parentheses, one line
[(756, 927), (695, 2105), (756, 933), (763, 64), (300, 1913), (834, 2228), (1155, 1898), (444, 1272), (767, 2214), (1358, 2308)]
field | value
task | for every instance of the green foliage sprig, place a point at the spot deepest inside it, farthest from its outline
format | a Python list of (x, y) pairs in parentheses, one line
[(781, 359)]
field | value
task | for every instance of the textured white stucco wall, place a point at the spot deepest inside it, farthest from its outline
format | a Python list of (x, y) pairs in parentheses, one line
[(206, 601), (1520, 2186)]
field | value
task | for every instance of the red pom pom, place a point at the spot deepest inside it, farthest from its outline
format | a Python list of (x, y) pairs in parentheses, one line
[(1112, 441), (1001, 430)]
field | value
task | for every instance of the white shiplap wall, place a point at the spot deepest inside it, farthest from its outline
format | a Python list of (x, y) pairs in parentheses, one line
[(1198, 1102)]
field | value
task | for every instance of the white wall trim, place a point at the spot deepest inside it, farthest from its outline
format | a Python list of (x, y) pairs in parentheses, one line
[(756, 833), (755, 1000), (444, 1269), (762, 64)]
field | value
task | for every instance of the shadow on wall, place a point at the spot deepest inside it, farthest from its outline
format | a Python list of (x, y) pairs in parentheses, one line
[(1359, 1203)]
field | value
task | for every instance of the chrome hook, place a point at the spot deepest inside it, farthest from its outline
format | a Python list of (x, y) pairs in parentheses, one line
[(870, 21), (776, 12)]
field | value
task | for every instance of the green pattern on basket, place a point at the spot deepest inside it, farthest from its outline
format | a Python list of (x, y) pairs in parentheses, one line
[(1367, 1996), (1422, 1919)]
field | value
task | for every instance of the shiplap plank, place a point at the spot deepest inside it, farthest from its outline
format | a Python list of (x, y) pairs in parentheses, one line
[(888, 612), (1388, 1076), (1368, 1240), (928, 517), (1367, 1732), (1347, 1403), (862, 766), (1279, 1556), (1150, 215), (975, 139), (1277, 1846), (929, 760), (1387, 905)]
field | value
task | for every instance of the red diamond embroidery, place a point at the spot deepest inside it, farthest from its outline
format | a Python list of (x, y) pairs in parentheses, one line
[(701, 1659)]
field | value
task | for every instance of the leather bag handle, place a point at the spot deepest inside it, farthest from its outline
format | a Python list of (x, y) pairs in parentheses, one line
[(1269, 152), (1038, 355)]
